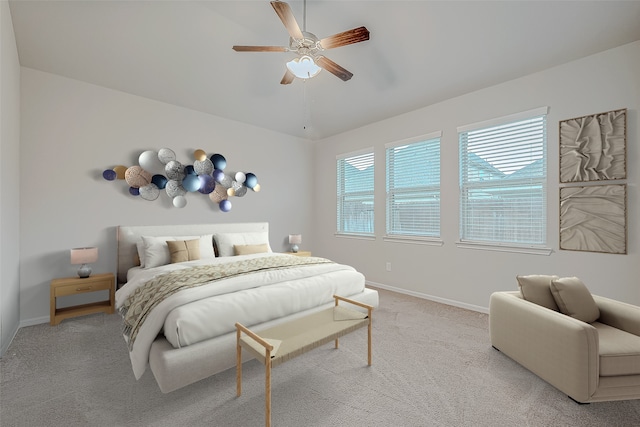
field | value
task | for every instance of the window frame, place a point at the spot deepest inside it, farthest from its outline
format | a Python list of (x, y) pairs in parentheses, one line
[(365, 193), (465, 242), (425, 237)]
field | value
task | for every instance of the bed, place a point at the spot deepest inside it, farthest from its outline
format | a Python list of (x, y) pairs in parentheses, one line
[(211, 276)]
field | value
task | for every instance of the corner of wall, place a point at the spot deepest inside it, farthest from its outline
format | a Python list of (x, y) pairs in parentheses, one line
[(9, 169)]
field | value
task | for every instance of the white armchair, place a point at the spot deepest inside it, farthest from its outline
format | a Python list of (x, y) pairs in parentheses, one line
[(590, 362)]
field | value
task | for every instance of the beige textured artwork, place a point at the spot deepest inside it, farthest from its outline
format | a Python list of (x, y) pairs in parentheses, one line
[(593, 148), (593, 218)]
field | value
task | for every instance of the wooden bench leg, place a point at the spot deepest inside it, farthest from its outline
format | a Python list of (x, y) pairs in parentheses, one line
[(238, 364), (267, 391), (369, 339)]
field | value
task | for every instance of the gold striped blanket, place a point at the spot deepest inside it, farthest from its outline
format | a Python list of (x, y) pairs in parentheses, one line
[(139, 304)]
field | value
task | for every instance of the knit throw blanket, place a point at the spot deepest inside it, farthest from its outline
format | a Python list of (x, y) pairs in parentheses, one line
[(139, 304)]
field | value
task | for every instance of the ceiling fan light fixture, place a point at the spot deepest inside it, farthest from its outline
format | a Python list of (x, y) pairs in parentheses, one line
[(303, 67)]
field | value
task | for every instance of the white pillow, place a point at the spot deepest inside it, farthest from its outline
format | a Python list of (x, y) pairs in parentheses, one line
[(140, 247), (206, 246), (227, 241), (156, 251)]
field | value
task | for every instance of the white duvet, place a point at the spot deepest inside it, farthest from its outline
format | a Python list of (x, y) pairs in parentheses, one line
[(211, 310)]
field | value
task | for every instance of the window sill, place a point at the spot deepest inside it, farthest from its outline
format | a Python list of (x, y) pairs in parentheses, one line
[(355, 236), (531, 250), (414, 240)]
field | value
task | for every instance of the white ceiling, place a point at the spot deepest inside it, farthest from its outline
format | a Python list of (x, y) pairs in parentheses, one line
[(420, 52)]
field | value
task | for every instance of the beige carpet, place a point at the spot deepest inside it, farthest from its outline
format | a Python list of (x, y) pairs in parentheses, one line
[(433, 365)]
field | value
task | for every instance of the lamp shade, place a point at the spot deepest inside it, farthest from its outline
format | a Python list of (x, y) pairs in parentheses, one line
[(84, 255), (295, 239), (303, 67)]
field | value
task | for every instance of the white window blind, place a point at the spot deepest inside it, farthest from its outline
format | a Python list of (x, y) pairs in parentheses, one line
[(413, 188), (503, 195), (355, 176)]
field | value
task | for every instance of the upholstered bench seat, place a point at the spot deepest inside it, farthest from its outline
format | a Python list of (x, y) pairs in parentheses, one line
[(619, 351), (287, 340)]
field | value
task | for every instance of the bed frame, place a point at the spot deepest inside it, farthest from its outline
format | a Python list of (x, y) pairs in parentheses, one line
[(174, 368)]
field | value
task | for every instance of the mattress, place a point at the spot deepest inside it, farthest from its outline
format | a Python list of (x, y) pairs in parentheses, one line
[(204, 312), (211, 317)]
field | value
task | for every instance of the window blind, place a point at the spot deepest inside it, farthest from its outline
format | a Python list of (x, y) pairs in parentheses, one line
[(355, 185), (503, 197), (413, 189)]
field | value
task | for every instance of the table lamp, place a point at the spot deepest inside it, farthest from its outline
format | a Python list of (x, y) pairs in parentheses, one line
[(294, 241), (84, 256)]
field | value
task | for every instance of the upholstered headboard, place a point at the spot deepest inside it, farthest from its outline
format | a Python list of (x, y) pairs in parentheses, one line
[(128, 235)]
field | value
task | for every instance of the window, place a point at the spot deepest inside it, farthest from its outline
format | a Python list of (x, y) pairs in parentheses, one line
[(503, 196), (355, 193), (413, 187)]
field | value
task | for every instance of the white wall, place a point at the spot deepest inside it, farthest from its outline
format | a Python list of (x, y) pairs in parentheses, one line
[(72, 131), (9, 171), (599, 83)]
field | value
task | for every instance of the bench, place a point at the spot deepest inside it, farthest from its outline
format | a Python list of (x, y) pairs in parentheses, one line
[(283, 342)]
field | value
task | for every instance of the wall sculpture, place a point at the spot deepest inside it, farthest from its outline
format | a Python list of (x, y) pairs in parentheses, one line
[(593, 148), (593, 218), (160, 171)]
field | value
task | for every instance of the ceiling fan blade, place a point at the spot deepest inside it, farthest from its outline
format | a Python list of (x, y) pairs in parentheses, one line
[(287, 78), (286, 16), (327, 64), (260, 49), (355, 35)]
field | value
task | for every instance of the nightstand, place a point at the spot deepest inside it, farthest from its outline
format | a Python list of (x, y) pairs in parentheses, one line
[(76, 286), (299, 253)]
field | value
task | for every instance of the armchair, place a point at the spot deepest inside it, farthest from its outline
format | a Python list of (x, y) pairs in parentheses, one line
[(590, 362)]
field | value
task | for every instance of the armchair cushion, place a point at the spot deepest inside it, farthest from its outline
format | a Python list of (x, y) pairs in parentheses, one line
[(574, 299), (619, 351), (536, 288)]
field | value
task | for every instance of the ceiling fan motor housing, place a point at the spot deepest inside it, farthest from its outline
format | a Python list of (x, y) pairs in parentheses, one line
[(309, 45)]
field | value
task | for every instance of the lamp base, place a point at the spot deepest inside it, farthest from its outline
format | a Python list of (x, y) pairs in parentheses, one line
[(294, 249), (84, 271)]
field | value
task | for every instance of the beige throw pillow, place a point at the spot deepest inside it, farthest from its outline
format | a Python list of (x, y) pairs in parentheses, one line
[(574, 299), (225, 242), (250, 249), (536, 288), (184, 250)]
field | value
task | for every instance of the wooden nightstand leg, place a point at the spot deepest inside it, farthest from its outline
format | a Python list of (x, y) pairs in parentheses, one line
[(112, 298), (52, 308)]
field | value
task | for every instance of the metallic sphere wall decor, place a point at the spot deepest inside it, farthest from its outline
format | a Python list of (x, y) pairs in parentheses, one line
[(159, 170), (593, 148)]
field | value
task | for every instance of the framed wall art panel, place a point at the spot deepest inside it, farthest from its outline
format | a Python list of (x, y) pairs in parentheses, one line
[(594, 218), (593, 148)]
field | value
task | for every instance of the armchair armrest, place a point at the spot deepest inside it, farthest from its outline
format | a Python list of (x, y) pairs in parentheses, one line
[(559, 349), (619, 314)]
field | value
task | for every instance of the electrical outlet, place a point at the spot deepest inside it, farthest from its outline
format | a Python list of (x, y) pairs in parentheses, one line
[(388, 266)]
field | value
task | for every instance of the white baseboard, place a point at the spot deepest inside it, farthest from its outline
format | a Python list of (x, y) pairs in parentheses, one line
[(22, 324), (34, 321), (6, 345), (429, 297)]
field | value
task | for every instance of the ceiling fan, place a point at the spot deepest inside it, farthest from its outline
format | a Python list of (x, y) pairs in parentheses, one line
[(308, 47)]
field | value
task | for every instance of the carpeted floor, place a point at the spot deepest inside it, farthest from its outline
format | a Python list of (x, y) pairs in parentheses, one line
[(433, 365)]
